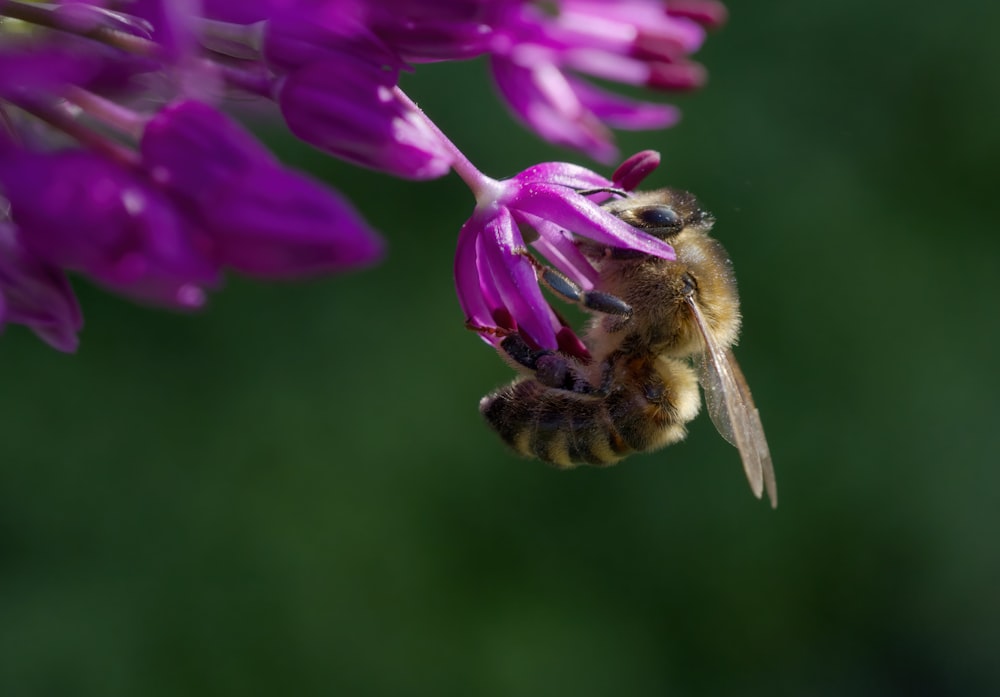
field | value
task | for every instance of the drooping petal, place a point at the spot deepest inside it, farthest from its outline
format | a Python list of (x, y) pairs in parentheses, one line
[(487, 284), (515, 280), (468, 282)]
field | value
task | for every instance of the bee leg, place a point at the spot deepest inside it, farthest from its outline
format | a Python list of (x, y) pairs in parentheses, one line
[(549, 368), (568, 290), (608, 365)]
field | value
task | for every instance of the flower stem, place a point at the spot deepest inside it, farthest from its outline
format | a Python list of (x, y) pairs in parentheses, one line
[(48, 16), (62, 118), (244, 41), (8, 134), (107, 112), (258, 82), (482, 187)]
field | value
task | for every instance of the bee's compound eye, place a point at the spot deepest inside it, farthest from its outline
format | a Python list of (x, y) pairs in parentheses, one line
[(659, 217)]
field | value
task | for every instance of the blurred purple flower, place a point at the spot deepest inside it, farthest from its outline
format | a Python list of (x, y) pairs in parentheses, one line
[(36, 294), (292, 41), (29, 68), (36, 69), (434, 30), (155, 203), (79, 211), (339, 95), (241, 11), (537, 58), (495, 277), (348, 56), (262, 218), (349, 108), (174, 24), (709, 13)]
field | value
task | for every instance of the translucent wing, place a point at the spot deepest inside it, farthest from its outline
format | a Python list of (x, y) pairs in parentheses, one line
[(732, 409)]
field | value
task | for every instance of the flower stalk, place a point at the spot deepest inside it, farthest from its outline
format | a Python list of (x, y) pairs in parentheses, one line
[(484, 188), (60, 19)]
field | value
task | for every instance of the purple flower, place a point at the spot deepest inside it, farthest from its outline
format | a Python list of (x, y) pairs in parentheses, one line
[(260, 217), (709, 13), (634, 169), (291, 41), (495, 274), (538, 58), (33, 68), (337, 91), (42, 69), (77, 210), (241, 11), (36, 294), (349, 108), (156, 202), (339, 94), (433, 30), (173, 24)]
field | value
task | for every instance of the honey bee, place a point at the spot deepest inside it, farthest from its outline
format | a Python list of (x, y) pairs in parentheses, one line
[(659, 328)]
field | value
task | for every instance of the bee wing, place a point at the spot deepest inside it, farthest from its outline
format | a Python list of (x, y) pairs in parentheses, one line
[(733, 411)]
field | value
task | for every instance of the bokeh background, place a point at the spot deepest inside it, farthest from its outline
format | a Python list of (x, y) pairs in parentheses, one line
[(293, 493)]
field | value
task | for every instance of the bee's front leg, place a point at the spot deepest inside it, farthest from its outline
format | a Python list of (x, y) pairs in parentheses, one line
[(548, 367), (594, 300)]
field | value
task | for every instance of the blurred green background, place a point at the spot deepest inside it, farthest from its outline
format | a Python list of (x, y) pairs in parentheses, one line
[(293, 493)]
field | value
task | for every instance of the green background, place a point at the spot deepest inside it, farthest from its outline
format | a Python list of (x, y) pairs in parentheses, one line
[(293, 492)]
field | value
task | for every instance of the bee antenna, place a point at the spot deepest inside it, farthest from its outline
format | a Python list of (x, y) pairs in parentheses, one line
[(603, 190)]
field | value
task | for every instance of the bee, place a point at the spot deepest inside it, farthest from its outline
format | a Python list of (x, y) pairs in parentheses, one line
[(659, 328)]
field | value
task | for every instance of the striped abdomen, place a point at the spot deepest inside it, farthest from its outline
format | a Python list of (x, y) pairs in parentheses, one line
[(646, 409)]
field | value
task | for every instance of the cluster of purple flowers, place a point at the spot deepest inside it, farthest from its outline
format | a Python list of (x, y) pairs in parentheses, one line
[(117, 162)]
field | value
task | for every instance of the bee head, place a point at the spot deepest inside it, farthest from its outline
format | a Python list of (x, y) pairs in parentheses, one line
[(663, 213)]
